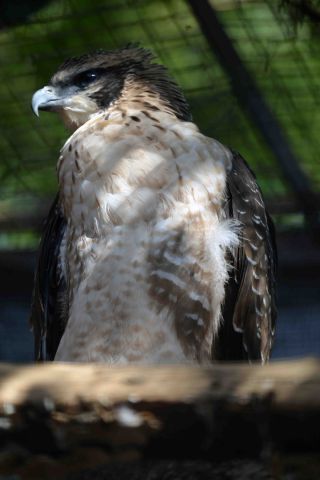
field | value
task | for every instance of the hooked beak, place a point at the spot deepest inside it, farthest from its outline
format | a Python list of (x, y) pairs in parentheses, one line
[(46, 99)]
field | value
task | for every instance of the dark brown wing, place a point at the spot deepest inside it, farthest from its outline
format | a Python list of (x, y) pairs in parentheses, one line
[(49, 301), (249, 311)]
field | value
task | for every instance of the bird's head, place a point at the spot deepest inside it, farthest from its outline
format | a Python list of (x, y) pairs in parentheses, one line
[(85, 85)]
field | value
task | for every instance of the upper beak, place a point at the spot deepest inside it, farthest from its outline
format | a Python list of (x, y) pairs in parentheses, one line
[(46, 99)]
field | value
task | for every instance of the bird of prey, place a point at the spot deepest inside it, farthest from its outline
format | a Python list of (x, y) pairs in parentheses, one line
[(158, 247)]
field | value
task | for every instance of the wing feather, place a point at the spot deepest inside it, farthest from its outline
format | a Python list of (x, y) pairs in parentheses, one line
[(249, 312), (50, 300)]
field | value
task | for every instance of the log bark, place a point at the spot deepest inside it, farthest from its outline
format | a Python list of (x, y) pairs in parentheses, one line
[(86, 415)]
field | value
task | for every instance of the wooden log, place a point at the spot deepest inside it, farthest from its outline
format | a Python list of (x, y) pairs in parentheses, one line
[(140, 412)]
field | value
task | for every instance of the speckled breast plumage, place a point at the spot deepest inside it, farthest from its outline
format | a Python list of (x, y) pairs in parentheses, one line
[(145, 244)]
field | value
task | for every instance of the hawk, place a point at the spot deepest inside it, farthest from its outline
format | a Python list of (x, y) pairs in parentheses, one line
[(158, 247)]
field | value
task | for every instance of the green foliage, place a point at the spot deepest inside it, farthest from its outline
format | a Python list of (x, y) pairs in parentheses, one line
[(303, 12)]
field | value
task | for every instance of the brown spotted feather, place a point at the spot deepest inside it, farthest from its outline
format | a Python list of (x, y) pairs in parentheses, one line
[(158, 247), (251, 288)]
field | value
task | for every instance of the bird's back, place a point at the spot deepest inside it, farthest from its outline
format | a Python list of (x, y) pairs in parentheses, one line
[(144, 244), (159, 247)]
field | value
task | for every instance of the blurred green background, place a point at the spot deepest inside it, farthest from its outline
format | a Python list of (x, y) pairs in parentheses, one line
[(35, 38)]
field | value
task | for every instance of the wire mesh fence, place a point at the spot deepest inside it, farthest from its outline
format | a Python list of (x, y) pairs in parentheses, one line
[(281, 59)]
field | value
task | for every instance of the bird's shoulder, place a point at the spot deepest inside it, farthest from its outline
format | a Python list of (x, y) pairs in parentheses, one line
[(133, 131)]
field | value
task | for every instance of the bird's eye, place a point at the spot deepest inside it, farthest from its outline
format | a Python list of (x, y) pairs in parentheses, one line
[(90, 75), (85, 78)]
